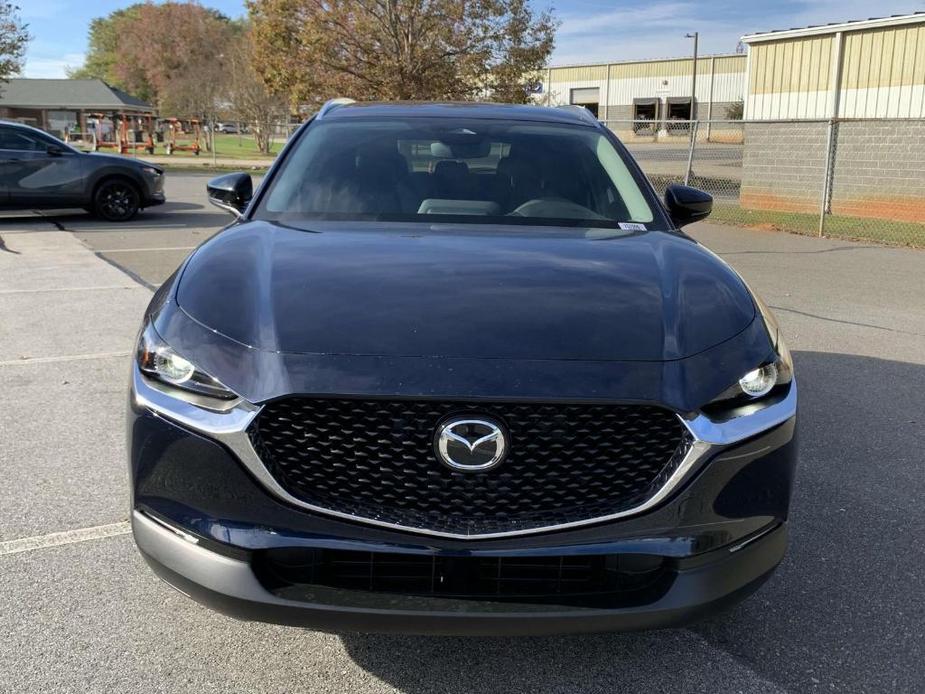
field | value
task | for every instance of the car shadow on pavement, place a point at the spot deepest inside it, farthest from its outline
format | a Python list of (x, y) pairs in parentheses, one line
[(844, 611)]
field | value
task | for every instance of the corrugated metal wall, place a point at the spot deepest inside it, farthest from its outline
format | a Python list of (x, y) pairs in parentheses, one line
[(644, 79), (882, 75), (790, 79)]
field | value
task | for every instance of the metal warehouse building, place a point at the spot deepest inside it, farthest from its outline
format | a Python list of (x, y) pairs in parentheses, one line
[(834, 117), (657, 91), (843, 104), (872, 68)]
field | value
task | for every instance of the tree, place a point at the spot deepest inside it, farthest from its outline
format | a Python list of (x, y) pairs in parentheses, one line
[(249, 98), (524, 46), (169, 54), (736, 110), (106, 40), (165, 53), (400, 49), (13, 40)]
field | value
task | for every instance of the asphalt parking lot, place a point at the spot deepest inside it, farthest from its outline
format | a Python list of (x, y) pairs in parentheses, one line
[(80, 611)]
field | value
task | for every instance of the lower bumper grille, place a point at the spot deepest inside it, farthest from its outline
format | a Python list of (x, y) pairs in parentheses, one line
[(374, 459), (612, 580)]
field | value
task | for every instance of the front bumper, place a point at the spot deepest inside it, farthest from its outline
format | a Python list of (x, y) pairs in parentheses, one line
[(202, 518), (702, 586), (153, 192), (154, 199)]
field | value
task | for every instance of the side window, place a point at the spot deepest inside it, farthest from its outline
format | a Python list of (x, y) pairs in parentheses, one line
[(14, 139)]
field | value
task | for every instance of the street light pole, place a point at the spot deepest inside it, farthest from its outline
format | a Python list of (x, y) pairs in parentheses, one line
[(695, 36), (693, 111)]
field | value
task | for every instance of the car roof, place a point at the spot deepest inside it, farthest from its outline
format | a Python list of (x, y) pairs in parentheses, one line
[(344, 109), (24, 126)]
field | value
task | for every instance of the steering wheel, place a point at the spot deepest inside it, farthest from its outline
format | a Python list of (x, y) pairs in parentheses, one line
[(554, 207)]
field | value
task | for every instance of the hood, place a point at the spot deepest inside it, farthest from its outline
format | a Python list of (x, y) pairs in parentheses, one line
[(464, 292)]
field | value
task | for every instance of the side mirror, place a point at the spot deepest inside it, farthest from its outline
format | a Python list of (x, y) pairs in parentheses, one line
[(231, 192), (54, 150), (686, 204)]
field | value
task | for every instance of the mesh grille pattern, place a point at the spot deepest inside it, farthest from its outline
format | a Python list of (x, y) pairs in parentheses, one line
[(374, 459)]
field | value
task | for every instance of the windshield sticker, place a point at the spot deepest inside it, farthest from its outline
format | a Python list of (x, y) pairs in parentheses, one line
[(632, 226)]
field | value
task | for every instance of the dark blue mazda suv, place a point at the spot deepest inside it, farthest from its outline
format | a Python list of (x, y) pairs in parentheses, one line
[(455, 369)]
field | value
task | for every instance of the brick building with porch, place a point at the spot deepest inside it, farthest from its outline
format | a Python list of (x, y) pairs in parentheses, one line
[(63, 106)]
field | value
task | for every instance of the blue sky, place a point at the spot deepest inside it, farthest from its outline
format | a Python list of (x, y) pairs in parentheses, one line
[(592, 30)]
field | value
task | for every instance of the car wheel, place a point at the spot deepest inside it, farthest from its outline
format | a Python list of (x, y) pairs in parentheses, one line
[(116, 200)]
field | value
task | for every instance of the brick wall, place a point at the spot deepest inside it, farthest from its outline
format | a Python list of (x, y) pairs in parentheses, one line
[(783, 166), (878, 168)]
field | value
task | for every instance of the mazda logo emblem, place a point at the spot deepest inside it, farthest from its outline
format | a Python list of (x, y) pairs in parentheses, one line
[(470, 444)]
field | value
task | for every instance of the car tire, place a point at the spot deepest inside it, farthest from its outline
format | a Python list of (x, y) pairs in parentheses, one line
[(116, 200)]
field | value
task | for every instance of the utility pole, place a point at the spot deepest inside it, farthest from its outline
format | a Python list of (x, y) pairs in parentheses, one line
[(695, 36), (692, 124)]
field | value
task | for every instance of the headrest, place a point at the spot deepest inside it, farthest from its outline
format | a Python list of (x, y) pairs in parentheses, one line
[(450, 169)]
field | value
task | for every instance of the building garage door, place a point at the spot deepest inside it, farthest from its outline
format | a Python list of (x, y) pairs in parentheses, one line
[(589, 97)]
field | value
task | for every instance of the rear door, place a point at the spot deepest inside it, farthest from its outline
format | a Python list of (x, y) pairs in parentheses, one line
[(31, 176)]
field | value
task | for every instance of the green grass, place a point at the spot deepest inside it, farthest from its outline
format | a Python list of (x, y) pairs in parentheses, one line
[(186, 165), (856, 228), (228, 146)]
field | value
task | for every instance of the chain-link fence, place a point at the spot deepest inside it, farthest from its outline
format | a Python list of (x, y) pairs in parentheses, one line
[(858, 179)]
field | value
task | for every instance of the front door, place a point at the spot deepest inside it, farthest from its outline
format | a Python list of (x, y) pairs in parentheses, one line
[(33, 176)]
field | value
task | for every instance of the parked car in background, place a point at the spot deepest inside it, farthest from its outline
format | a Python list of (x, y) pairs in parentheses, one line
[(39, 171), (456, 369), (226, 128)]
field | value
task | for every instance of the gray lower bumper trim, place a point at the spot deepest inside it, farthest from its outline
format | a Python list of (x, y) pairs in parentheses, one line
[(210, 570), (230, 586)]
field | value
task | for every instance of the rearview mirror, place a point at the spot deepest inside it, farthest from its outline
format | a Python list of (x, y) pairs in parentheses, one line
[(231, 192), (54, 150), (686, 204)]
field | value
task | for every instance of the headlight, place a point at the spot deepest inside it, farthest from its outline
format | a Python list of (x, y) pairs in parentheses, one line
[(158, 361), (759, 382), (151, 171)]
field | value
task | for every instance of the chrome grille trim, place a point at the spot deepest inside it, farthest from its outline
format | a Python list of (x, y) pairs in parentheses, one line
[(230, 429)]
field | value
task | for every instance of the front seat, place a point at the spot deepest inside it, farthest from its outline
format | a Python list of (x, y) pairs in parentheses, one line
[(381, 184), (451, 180), (520, 176)]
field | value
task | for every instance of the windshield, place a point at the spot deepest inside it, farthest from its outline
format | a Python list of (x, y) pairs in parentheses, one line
[(456, 170)]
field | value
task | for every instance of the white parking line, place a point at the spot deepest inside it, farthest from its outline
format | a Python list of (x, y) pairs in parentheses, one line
[(66, 537), (136, 250), (79, 228), (70, 357), (69, 289)]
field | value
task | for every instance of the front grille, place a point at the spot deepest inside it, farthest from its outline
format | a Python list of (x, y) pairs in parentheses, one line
[(374, 459), (599, 580)]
